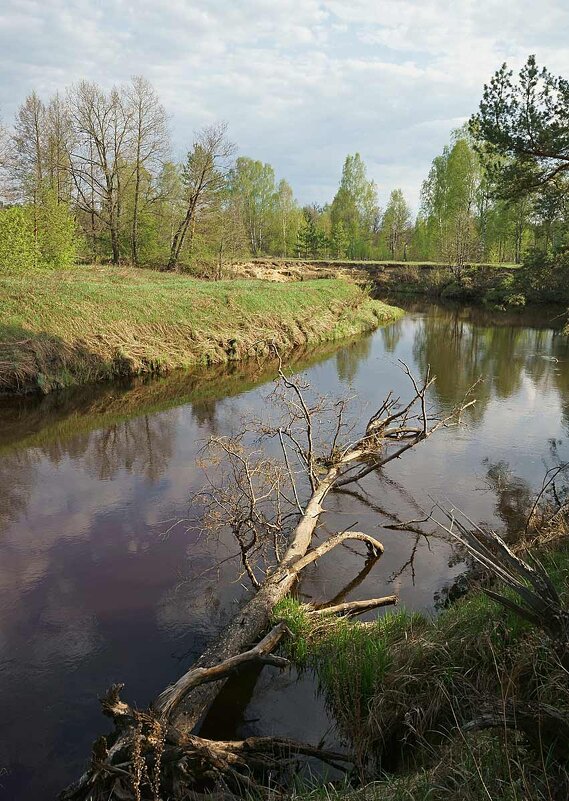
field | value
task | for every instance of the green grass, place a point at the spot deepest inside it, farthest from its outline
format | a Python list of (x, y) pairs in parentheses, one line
[(92, 323), (401, 687)]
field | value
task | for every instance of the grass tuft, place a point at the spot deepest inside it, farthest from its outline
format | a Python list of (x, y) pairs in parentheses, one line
[(402, 687)]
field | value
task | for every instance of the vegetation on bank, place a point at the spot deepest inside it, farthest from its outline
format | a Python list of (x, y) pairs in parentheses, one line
[(405, 688), (62, 328), (540, 279)]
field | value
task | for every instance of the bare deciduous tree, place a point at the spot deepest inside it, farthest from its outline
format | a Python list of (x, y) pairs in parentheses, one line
[(150, 142), (103, 130), (28, 164), (58, 142)]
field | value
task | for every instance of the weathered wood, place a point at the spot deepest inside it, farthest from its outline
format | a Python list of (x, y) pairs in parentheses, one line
[(352, 608), (251, 620), (261, 652), (145, 742)]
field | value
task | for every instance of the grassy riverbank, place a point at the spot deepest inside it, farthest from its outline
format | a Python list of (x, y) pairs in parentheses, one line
[(89, 324), (405, 688)]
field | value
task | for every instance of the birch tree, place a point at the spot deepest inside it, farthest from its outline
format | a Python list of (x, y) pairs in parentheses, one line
[(204, 177), (395, 224)]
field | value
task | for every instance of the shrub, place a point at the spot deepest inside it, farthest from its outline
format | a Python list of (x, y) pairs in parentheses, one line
[(56, 234), (18, 247), (544, 276), (40, 236)]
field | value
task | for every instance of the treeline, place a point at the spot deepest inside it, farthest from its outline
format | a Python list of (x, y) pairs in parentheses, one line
[(89, 176)]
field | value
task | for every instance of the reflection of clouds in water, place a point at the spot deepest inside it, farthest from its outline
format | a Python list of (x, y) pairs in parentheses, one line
[(65, 634), (86, 572)]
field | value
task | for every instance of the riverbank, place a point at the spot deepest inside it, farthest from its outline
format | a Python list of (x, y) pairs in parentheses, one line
[(496, 286), (95, 323), (472, 702)]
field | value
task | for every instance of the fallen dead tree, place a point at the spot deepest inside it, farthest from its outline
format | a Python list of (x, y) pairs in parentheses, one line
[(155, 754)]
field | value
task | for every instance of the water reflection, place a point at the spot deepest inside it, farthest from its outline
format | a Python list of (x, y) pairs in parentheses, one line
[(463, 345), (91, 591), (349, 359)]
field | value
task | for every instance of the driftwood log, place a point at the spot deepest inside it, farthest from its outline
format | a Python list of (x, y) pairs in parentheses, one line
[(156, 754)]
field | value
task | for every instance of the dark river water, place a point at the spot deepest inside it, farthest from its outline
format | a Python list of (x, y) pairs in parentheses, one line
[(99, 582)]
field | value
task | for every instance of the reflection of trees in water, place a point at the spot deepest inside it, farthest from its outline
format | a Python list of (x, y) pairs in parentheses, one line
[(460, 351), (143, 446), (391, 335), (16, 480), (348, 359), (204, 413), (514, 497)]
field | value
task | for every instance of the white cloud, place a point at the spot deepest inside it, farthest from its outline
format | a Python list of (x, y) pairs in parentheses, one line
[(301, 82)]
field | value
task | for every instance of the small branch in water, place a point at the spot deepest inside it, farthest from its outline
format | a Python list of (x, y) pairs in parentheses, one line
[(352, 608), (261, 652)]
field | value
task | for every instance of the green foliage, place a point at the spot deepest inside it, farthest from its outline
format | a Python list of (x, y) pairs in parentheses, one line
[(339, 242), (18, 246), (355, 206), (399, 687), (544, 275), (395, 226), (56, 232), (254, 184), (522, 129), (448, 204), (40, 236), (312, 240)]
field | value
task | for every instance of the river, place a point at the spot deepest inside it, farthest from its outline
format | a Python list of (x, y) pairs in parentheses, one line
[(105, 575)]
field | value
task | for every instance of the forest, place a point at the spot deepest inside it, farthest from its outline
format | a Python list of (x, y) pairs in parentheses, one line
[(88, 176)]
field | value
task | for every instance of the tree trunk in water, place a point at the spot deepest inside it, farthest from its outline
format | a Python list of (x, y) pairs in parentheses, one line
[(249, 623)]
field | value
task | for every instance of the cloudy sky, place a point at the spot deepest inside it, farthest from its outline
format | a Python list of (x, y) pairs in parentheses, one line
[(300, 82)]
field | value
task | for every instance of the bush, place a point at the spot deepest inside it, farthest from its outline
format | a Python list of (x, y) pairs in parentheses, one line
[(544, 276), (41, 236), (18, 247), (57, 238), (504, 295)]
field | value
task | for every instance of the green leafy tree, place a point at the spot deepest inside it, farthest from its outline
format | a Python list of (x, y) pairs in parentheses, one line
[(55, 231), (204, 178), (395, 225), (254, 184), (287, 219), (522, 129), (448, 205), (221, 238), (312, 240), (339, 241), (355, 206)]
